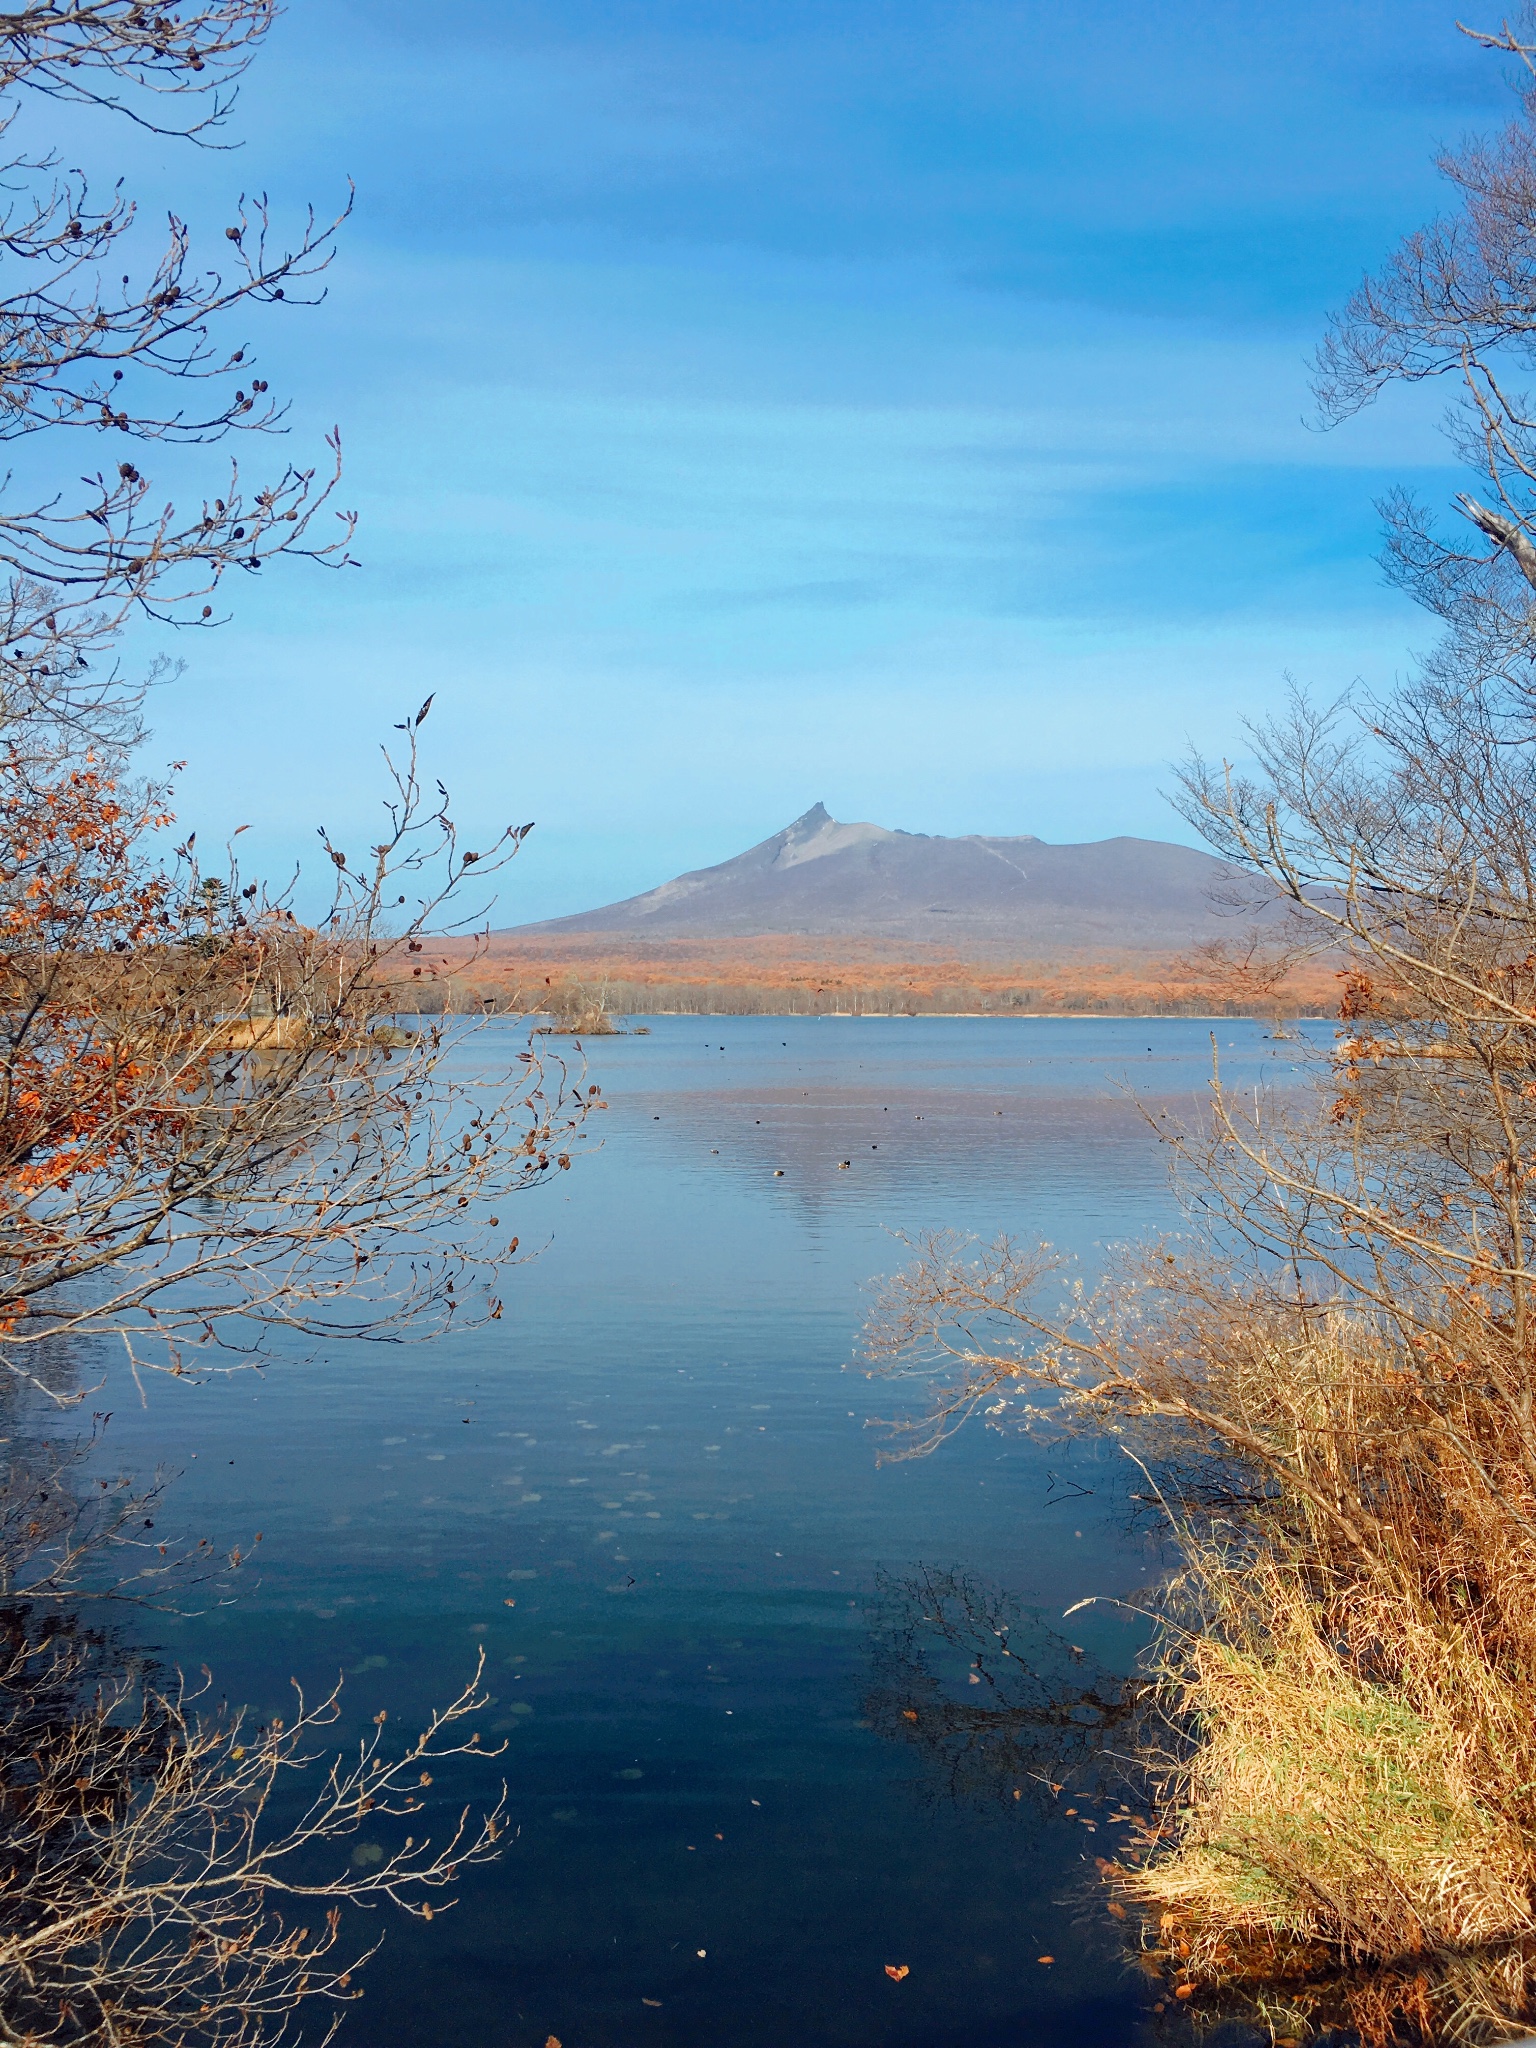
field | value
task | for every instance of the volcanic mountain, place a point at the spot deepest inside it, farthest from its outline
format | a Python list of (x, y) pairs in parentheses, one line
[(822, 879)]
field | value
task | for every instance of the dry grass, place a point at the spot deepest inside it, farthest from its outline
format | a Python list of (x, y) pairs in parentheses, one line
[(1383, 1819), (772, 974), (1355, 1804), (1343, 1800), (249, 1034)]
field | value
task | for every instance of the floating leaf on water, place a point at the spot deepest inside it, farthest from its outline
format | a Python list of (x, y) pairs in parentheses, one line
[(896, 1971), (652, 2001)]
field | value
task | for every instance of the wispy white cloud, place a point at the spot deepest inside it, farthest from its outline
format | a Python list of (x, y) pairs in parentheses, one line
[(901, 404)]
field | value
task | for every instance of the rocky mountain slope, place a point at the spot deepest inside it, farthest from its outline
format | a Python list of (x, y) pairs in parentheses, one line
[(820, 878)]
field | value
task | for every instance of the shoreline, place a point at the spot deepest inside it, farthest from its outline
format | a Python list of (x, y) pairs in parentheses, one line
[(624, 1020), (980, 1016)]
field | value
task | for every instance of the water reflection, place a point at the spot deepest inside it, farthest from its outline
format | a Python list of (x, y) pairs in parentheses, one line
[(1003, 1711)]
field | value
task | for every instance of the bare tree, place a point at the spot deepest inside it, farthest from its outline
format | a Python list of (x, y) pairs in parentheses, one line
[(576, 1009), (210, 1126), (86, 345), (147, 61), (1246, 975), (1457, 300)]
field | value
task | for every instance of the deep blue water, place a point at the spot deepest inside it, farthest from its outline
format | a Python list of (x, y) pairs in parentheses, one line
[(659, 1455)]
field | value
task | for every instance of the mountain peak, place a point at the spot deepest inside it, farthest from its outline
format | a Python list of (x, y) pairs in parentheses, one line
[(817, 835), (819, 876)]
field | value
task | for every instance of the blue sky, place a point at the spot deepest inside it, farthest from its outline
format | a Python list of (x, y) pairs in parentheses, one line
[(751, 402)]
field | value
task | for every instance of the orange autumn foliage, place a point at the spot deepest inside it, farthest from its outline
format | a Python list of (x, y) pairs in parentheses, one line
[(73, 893), (209, 1123), (779, 974)]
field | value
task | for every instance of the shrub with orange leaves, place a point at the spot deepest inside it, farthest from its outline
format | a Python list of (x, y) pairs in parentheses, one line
[(209, 1123), (74, 901)]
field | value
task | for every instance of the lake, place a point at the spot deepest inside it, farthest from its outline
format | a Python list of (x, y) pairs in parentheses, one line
[(727, 1826)]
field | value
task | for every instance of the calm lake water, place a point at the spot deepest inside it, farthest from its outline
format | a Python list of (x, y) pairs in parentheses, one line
[(659, 1455)]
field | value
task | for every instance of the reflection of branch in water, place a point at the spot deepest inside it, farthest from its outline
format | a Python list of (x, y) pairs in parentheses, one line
[(1053, 1499), (152, 1893), (66, 1535), (165, 1880), (72, 1529), (1002, 1707)]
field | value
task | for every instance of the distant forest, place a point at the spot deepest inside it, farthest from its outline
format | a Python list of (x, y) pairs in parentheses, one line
[(785, 977)]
